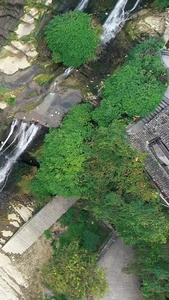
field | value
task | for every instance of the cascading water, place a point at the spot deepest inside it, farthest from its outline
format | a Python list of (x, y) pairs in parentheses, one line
[(66, 73), (14, 123), (23, 134), (116, 20), (135, 6), (82, 5)]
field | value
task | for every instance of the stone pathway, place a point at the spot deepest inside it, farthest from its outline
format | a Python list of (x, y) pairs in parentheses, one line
[(35, 227), (121, 285), (51, 111)]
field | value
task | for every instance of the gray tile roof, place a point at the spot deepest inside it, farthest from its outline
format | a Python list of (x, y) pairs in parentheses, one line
[(156, 127)]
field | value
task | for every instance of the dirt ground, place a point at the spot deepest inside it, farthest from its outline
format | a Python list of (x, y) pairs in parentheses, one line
[(30, 263)]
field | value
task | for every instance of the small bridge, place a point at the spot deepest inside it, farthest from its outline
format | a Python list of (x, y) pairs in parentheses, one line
[(36, 226)]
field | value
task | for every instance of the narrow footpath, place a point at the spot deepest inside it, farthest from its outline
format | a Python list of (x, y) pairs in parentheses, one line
[(122, 286)]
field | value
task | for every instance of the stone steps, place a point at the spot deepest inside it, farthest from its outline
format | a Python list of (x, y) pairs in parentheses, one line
[(36, 226)]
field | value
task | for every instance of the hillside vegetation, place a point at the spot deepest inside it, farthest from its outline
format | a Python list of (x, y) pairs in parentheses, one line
[(89, 157)]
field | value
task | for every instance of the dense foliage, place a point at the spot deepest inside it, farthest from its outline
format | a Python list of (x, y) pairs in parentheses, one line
[(162, 3), (71, 38), (117, 190), (73, 272), (93, 161), (82, 227), (83, 161), (112, 165), (64, 153), (136, 89)]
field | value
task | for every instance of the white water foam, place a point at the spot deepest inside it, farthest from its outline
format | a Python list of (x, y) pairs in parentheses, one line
[(14, 123), (116, 20), (25, 133), (82, 5)]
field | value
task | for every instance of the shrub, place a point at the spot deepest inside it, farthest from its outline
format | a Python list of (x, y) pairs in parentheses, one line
[(11, 100), (47, 234), (74, 272), (90, 240), (68, 217), (71, 38)]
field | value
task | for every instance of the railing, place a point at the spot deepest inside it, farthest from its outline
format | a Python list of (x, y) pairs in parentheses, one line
[(107, 244)]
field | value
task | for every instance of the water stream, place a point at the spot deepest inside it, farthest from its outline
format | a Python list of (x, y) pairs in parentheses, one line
[(22, 133), (20, 136), (116, 20), (82, 5)]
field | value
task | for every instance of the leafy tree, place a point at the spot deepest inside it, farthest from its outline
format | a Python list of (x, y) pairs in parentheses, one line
[(97, 164), (112, 165), (73, 271), (64, 153), (136, 89), (139, 223), (151, 262), (82, 227), (71, 38)]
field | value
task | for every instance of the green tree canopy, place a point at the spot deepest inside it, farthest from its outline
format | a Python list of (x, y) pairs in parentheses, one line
[(151, 262), (140, 223), (71, 38), (96, 163), (64, 153), (73, 271), (112, 165), (136, 89)]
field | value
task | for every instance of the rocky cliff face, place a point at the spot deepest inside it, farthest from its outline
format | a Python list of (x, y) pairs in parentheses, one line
[(150, 23), (10, 13)]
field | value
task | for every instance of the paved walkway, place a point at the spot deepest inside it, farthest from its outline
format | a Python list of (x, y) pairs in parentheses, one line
[(121, 285)]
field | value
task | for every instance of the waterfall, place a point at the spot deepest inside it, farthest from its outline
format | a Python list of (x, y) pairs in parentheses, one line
[(22, 133), (66, 73), (82, 5), (14, 123), (135, 5), (116, 20)]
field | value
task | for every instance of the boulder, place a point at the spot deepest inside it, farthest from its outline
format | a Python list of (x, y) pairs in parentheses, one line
[(149, 22)]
